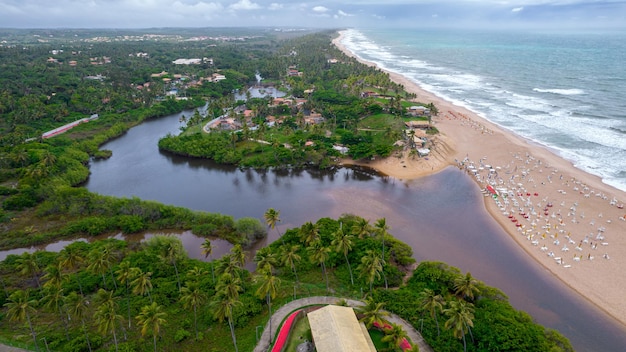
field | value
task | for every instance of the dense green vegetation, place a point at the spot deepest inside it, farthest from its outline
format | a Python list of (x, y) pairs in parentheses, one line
[(329, 84), (152, 296), (111, 295)]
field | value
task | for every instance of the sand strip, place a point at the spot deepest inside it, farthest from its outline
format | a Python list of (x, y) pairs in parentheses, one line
[(564, 218)]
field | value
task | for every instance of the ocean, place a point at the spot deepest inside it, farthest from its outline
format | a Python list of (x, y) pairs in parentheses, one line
[(565, 91)]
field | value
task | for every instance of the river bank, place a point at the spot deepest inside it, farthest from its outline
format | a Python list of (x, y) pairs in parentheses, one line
[(567, 220)]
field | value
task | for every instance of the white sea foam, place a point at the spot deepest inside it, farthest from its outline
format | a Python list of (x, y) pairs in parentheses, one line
[(573, 91), (583, 126)]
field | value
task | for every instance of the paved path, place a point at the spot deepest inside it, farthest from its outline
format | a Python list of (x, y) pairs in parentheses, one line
[(280, 314)]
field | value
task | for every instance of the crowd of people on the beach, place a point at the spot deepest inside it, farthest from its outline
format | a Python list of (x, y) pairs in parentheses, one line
[(553, 223), (467, 121)]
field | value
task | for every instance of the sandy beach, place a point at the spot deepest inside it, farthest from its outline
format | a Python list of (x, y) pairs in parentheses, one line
[(564, 218)]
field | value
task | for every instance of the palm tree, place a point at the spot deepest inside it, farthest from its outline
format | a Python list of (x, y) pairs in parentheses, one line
[(192, 297), (54, 275), (125, 276), (72, 259), (268, 290), (228, 265), (100, 261), (318, 253), (381, 227), (272, 217), (309, 233), (106, 317), (362, 228), (169, 254), (342, 242), (195, 274), (20, 157), (78, 307), (466, 286), (433, 111), (142, 283), (411, 135), (98, 265), (432, 303), (395, 335), (460, 319), (229, 285), (290, 256), (110, 255), (27, 265), (265, 259), (370, 267), (19, 308), (53, 301), (151, 318), (223, 310), (207, 250), (48, 159), (238, 255), (372, 312)]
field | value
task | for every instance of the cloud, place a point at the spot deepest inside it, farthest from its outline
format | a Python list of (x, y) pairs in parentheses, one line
[(244, 5), (343, 14), (275, 6), (305, 13), (320, 9)]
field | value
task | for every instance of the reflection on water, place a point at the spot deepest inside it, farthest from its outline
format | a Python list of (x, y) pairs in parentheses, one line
[(190, 241), (260, 92), (442, 217)]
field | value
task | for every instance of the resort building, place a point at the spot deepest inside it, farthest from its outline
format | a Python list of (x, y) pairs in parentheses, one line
[(336, 329)]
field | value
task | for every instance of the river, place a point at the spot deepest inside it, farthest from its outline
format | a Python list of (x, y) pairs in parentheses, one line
[(441, 216)]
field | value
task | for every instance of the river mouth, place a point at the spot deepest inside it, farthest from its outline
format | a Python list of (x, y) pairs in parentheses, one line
[(441, 216)]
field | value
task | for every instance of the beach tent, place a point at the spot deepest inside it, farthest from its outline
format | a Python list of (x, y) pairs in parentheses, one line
[(423, 151), (492, 191)]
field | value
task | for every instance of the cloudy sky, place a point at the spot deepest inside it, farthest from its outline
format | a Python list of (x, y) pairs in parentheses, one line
[(323, 13)]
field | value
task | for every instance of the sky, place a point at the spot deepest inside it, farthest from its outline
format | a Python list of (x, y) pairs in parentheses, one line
[(305, 13)]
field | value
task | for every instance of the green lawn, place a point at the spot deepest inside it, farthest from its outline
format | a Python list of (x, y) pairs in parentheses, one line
[(377, 337), (301, 332)]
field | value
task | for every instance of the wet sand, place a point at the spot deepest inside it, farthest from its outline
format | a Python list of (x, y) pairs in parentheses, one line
[(567, 220)]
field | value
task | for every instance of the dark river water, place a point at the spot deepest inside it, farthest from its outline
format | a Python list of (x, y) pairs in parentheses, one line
[(441, 216)]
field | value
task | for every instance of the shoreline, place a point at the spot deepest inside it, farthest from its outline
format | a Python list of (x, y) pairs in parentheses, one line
[(564, 218)]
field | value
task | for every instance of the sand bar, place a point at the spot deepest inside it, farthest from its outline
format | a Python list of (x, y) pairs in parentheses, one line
[(568, 220)]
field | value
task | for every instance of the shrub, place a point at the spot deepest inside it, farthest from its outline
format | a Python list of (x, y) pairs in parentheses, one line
[(19, 201), (130, 223), (181, 335), (251, 229)]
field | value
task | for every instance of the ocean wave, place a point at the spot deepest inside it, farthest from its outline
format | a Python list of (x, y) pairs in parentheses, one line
[(618, 130), (586, 126), (573, 91)]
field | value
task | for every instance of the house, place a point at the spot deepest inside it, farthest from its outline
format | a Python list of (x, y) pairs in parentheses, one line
[(186, 61), (216, 77), (161, 74), (294, 73), (369, 94), (341, 149), (417, 124), (336, 329), (314, 119), (417, 110)]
